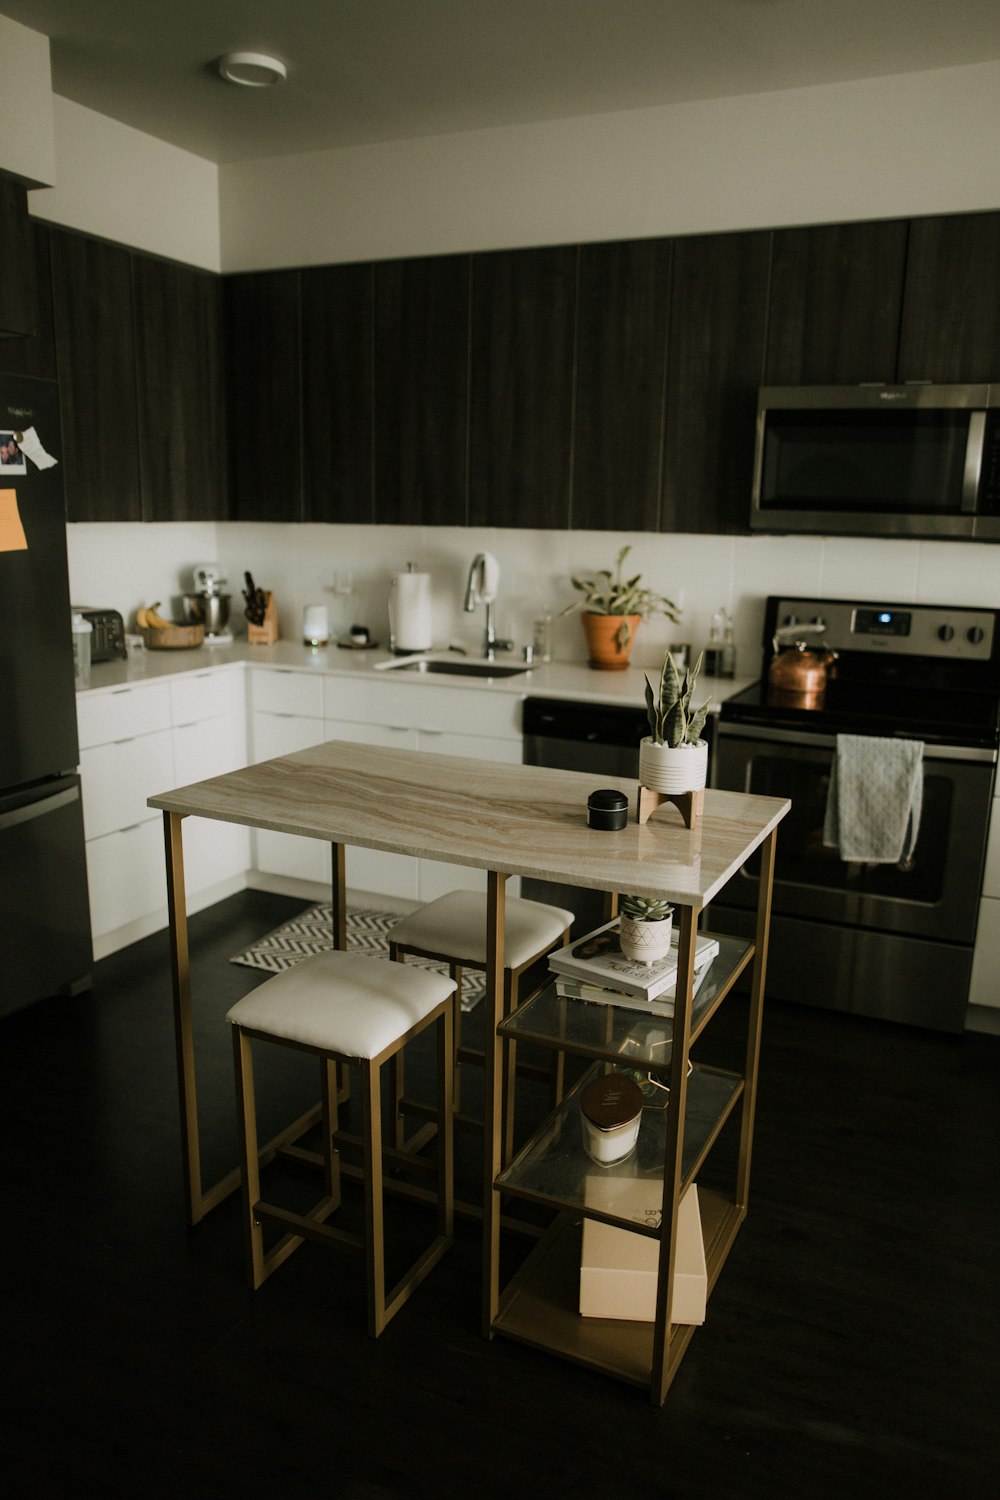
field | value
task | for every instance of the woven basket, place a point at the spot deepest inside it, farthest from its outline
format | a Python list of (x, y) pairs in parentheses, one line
[(173, 637)]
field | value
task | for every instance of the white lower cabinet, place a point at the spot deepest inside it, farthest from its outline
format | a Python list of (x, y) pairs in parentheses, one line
[(436, 879), (371, 870), (136, 741), (274, 734)]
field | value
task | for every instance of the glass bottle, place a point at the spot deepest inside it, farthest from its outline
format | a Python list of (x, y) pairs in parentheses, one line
[(541, 638), (713, 651), (727, 657)]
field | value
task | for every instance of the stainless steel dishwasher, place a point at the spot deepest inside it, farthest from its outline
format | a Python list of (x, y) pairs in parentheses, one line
[(571, 735)]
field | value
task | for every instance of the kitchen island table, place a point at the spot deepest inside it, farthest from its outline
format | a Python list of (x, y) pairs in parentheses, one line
[(507, 820)]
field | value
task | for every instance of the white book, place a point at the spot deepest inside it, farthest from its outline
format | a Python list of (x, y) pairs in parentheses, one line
[(662, 1005), (597, 958)]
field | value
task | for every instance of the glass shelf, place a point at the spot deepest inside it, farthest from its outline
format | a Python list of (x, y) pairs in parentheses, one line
[(639, 1035), (554, 1168)]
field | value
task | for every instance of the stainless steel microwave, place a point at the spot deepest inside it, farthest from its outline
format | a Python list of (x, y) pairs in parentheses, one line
[(879, 460)]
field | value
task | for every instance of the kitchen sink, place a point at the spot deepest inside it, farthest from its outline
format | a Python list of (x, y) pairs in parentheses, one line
[(460, 668)]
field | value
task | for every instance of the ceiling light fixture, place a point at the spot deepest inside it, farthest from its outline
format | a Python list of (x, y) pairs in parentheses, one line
[(253, 69)]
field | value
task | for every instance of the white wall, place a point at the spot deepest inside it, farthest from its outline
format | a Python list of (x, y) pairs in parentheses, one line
[(912, 144), (124, 566), (27, 134), (123, 185)]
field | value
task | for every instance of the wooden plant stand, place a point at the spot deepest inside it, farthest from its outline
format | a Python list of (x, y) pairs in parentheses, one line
[(689, 804)]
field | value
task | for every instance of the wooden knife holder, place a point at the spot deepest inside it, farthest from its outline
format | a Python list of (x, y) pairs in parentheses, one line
[(266, 634)]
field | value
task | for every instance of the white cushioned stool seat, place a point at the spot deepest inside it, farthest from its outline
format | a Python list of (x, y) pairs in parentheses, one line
[(455, 924), (347, 1003), (348, 1010)]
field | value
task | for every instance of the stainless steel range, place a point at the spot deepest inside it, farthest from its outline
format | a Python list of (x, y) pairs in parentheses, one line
[(888, 940)]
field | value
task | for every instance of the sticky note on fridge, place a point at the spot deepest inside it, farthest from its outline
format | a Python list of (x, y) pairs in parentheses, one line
[(12, 537), (31, 447)]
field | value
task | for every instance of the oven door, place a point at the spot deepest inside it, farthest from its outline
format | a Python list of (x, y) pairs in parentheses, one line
[(935, 897)]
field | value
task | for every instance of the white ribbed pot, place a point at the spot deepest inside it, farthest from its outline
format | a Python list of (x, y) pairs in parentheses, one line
[(645, 941), (673, 768)]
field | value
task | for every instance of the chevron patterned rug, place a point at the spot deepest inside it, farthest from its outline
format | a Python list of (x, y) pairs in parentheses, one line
[(367, 932)]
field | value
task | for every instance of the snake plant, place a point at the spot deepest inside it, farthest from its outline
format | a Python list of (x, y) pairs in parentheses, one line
[(672, 720)]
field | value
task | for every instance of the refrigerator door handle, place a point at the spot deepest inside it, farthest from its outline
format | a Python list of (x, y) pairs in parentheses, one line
[(39, 808)]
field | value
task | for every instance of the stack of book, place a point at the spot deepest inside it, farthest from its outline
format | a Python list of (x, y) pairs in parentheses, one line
[(595, 968)]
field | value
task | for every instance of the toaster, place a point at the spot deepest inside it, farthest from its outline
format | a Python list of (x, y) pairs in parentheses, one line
[(108, 640)]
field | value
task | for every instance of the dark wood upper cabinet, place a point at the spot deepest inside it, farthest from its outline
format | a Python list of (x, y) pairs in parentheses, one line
[(95, 357), (521, 398), (714, 366), (182, 440), (421, 374), (264, 395), (624, 300), (337, 393), (834, 306), (18, 302), (35, 354), (951, 308)]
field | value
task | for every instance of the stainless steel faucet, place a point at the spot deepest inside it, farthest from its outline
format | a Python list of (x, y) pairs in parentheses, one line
[(484, 580)]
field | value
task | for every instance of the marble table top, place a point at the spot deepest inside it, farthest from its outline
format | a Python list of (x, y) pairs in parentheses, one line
[(522, 820)]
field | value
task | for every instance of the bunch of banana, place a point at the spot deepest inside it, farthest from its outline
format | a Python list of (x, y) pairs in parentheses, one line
[(148, 619)]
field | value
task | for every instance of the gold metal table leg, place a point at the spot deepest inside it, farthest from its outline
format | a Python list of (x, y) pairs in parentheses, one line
[(493, 1000)]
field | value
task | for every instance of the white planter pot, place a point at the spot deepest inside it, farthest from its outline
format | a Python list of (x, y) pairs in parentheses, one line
[(667, 768), (645, 941)]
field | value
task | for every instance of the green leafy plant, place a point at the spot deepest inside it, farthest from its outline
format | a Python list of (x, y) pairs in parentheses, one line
[(645, 908), (609, 593), (672, 720)]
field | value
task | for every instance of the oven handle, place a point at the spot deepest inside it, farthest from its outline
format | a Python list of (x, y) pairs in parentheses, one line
[(730, 729)]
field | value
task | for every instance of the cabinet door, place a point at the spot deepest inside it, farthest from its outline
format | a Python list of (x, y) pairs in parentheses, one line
[(182, 446), (521, 397), (337, 393), (834, 305), (18, 300), (35, 354), (213, 851), (717, 315), (126, 878), (95, 355), (620, 378), (263, 387), (951, 305), (118, 778), (285, 853), (374, 871), (421, 372)]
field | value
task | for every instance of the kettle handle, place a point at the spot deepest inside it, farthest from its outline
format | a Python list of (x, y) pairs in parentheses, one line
[(817, 627)]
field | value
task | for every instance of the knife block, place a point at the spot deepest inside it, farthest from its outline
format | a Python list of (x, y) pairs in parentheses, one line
[(266, 634)]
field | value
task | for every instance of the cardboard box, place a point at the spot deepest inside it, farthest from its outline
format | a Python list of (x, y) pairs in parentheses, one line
[(619, 1270)]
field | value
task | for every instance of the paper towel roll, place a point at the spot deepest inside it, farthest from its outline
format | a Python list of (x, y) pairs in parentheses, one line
[(410, 612)]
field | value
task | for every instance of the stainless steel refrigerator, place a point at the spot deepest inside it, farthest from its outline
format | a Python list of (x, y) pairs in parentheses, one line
[(45, 946)]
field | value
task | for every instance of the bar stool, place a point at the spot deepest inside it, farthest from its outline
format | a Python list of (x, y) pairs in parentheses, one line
[(345, 1008), (452, 930)]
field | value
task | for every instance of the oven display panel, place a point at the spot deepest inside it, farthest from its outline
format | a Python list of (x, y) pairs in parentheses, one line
[(893, 622)]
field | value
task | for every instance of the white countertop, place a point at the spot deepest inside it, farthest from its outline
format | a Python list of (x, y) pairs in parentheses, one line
[(571, 680)]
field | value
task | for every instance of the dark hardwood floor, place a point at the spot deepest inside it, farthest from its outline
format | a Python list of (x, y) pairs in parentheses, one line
[(851, 1349)]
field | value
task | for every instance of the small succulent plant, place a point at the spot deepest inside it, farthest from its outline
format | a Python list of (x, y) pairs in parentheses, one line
[(645, 908), (672, 720)]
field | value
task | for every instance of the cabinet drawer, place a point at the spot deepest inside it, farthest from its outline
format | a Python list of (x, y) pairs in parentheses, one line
[(118, 778), (209, 748), (126, 877), (284, 734), (418, 705), (471, 746), (206, 695), (121, 713), (279, 691)]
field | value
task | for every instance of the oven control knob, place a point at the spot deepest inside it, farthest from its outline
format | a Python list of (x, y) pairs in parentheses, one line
[(945, 632), (975, 634)]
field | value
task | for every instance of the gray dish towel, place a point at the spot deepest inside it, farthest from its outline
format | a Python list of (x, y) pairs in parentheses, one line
[(875, 797)]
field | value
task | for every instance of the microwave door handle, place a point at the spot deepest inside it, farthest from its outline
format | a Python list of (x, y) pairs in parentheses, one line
[(973, 462)]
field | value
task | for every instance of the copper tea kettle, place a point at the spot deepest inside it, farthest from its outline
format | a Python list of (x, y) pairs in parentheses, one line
[(798, 671)]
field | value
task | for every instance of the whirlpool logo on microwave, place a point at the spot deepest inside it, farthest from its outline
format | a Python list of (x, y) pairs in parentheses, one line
[(893, 395)]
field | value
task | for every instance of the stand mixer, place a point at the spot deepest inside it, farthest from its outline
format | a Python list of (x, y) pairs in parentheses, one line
[(208, 605)]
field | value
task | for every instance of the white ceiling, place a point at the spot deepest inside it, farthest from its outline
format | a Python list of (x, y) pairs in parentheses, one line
[(361, 71)]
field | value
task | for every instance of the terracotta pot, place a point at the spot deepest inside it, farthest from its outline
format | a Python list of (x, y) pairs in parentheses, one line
[(606, 651), (673, 768)]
